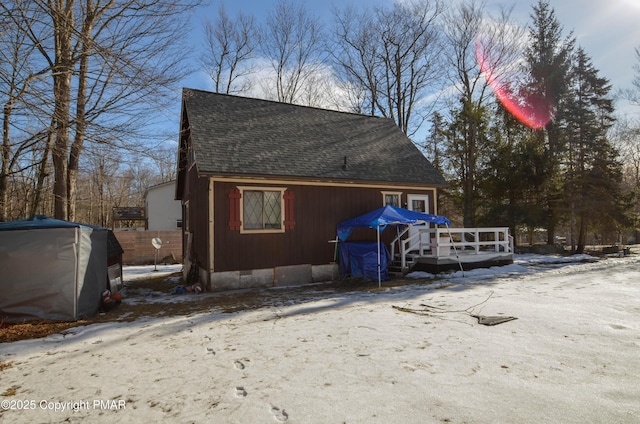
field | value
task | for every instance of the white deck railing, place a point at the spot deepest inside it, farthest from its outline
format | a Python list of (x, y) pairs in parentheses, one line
[(443, 242)]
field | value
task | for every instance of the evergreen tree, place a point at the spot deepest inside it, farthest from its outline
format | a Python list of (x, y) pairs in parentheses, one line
[(466, 139), (592, 171), (435, 148), (469, 29), (547, 65), (510, 181), (434, 141)]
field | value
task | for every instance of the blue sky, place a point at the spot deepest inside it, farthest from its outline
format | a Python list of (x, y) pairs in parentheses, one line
[(608, 30)]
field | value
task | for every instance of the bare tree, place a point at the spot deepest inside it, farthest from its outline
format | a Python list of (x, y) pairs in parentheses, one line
[(632, 94), (292, 43), (120, 56), (394, 55), (107, 180), (319, 91), (164, 159), (470, 32), (103, 165), (636, 78), (626, 139), (135, 65), (20, 92), (357, 58), (230, 47)]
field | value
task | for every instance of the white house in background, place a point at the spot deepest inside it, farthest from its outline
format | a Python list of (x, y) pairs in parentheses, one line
[(163, 211)]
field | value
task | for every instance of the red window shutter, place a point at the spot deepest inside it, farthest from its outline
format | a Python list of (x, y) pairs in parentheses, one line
[(234, 209), (289, 219)]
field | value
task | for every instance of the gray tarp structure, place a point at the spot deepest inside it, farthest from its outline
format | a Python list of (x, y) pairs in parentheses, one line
[(51, 269)]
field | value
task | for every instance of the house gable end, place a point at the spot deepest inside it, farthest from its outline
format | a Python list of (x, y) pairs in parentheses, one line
[(249, 137), (183, 153)]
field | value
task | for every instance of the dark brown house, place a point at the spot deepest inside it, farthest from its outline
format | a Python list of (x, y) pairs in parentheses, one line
[(264, 184)]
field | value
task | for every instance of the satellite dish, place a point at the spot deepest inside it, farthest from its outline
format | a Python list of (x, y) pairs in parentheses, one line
[(156, 242)]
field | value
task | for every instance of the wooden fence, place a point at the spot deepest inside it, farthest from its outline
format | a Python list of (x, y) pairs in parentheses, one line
[(138, 249)]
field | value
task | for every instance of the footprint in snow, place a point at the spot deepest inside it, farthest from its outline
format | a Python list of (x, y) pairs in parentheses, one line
[(240, 364), (279, 414), (241, 392)]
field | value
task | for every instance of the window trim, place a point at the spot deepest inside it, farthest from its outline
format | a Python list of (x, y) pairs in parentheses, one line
[(391, 193), (244, 230)]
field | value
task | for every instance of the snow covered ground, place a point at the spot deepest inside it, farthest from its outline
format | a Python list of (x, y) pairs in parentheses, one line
[(408, 354)]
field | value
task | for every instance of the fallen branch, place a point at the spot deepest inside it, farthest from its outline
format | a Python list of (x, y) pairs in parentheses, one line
[(484, 320), (441, 310), (412, 311)]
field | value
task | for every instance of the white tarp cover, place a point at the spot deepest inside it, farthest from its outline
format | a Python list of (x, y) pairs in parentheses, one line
[(51, 273)]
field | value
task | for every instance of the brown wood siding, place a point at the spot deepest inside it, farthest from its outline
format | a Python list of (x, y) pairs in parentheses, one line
[(198, 189), (318, 210)]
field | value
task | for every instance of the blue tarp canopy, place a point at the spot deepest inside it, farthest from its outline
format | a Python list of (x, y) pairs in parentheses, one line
[(360, 259), (388, 215), (379, 219)]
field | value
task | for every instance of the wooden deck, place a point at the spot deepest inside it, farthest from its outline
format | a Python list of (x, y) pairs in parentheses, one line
[(444, 249)]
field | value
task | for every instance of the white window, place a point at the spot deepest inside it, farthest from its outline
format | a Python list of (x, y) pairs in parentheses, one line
[(391, 198), (262, 209)]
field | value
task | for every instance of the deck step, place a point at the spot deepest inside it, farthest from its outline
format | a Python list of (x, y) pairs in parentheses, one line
[(395, 266)]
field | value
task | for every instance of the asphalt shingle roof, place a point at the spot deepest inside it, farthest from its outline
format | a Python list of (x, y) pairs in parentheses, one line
[(234, 135)]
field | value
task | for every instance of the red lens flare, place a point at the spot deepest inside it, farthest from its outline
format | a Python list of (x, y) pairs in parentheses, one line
[(530, 110)]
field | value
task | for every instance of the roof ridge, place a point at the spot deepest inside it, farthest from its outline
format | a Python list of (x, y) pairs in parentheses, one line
[(323, 109)]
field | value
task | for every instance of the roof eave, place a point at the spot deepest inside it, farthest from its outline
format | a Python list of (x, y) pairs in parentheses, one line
[(320, 180)]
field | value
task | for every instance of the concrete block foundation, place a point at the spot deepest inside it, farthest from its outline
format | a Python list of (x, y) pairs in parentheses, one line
[(292, 275)]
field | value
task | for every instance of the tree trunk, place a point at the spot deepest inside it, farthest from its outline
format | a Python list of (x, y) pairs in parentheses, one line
[(551, 173), (42, 173), (551, 226), (80, 120), (572, 225), (470, 154), (469, 204), (62, 14), (582, 234), (4, 171)]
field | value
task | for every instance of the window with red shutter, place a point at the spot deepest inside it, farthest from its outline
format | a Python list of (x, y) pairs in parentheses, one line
[(289, 218), (234, 209), (259, 209)]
